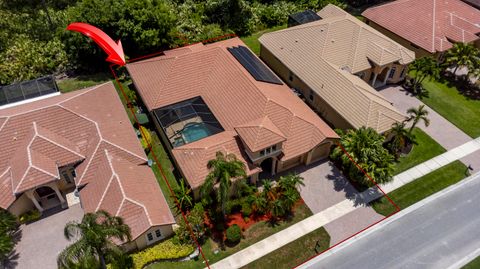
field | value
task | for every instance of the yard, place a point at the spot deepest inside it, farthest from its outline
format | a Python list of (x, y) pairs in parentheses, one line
[(252, 41), (255, 233), (295, 252), (425, 149), (457, 108), (82, 81), (475, 264), (421, 188)]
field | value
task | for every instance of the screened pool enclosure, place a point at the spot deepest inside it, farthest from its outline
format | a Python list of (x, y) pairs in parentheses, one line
[(187, 121)]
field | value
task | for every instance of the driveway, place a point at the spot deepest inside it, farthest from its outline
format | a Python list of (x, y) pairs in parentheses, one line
[(324, 187), (43, 240), (440, 129)]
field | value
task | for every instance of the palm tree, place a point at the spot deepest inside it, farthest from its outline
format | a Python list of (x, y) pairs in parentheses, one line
[(94, 234), (416, 115), (461, 55), (423, 68), (258, 202), (223, 169), (8, 226), (397, 138), (291, 180), (183, 195), (365, 147)]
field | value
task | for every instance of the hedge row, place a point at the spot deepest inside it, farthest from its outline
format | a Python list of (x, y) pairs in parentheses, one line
[(165, 250)]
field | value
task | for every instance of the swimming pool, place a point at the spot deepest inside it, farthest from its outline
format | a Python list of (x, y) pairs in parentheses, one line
[(195, 131)]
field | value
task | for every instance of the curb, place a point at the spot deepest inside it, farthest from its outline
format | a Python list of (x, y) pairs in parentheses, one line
[(397, 216)]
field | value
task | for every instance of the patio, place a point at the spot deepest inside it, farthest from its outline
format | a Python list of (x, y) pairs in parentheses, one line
[(43, 240)]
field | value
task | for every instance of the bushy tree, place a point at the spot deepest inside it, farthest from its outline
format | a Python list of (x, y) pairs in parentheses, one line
[(196, 219), (8, 227), (235, 15), (364, 145)]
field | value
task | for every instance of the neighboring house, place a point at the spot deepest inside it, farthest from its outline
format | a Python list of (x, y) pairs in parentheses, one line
[(80, 143), (428, 27), (221, 97), (334, 62)]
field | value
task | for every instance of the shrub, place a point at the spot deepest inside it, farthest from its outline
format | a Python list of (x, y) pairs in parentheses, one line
[(162, 251), (29, 216), (196, 220), (234, 234), (246, 209)]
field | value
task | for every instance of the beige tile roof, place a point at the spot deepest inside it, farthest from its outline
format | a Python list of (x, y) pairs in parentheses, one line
[(430, 24), (38, 137), (233, 96), (259, 134), (325, 53)]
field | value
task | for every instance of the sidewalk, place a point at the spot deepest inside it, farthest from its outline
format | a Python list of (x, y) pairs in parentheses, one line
[(341, 209)]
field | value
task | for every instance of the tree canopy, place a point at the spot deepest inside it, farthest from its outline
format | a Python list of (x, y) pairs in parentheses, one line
[(34, 42)]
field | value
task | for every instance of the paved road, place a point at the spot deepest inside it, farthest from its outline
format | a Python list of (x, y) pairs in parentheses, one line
[(436, 235)]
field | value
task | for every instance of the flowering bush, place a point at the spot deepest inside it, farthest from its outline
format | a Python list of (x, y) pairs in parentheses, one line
[(162, 251)]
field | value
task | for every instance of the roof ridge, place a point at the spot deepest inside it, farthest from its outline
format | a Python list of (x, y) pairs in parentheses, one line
[(58, 144), (29, 155)]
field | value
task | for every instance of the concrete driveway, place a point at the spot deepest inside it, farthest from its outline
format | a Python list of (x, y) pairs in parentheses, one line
[(440, 129), (324, 187), (43, 240)]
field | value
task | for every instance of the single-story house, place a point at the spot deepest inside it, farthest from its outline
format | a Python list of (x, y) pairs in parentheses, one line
[(336, 62), (221, 97), (427, 27), (80, 144)]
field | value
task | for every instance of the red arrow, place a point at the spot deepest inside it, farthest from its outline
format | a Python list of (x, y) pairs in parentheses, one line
[(114, 51)]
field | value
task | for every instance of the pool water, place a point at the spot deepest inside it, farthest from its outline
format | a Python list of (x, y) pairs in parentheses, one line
[(195, 131)]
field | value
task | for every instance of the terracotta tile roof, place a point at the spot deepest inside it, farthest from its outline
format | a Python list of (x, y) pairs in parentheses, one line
[(259, 134), (38, 137), (430, 24), (233, 96), (193, 157), (118, 189), (324, 54)]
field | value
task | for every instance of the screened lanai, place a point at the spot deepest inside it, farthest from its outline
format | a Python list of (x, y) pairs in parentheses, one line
[(187, 121)]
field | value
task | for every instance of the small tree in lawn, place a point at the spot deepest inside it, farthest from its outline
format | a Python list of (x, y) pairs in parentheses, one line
[(94, 244), (461, 55), (416, 115), (425, 67), (223, 169), (397, 138)]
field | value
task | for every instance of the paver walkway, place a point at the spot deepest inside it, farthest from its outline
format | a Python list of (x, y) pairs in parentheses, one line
[(341, 209), (440, 129)]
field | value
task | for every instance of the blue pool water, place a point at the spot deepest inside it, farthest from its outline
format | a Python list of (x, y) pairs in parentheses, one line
[(195, 131)]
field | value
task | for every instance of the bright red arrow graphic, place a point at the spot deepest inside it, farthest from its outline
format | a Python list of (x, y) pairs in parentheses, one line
[(114, 50)]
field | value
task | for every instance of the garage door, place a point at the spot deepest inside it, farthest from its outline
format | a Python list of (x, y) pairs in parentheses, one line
[(321, 152)]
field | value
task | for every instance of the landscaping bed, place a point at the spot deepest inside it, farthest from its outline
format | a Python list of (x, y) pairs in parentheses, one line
[(295, 252), (421, 188), (255, 232), (424, 149)]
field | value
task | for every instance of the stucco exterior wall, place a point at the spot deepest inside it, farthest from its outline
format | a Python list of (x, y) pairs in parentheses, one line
[(21, 205), (141, 241), (328, 114)]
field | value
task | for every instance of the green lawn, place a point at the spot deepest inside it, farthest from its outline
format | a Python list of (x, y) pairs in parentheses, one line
[(252, 41), (84, 81), (422, 188), (254, 234), (453, 106), (425, 149), (295, 252), (475, 264)]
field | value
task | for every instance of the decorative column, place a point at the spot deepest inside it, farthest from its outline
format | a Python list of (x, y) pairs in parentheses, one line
[(274, 166), (386, 76), (59, 195), (374, 79), (34, 200)]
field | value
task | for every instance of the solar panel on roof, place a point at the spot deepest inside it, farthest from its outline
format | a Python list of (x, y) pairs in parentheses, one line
[(302, 17), (27, 90), (253, 65)]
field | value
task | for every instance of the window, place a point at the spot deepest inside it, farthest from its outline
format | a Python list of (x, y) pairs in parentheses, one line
[(158, 234), (404, 70), (268, 150), (392, 72), (68, 174), (149, 237), (361, 75)]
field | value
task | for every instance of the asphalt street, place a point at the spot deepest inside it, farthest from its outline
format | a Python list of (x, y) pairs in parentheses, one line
[(436, 235)]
